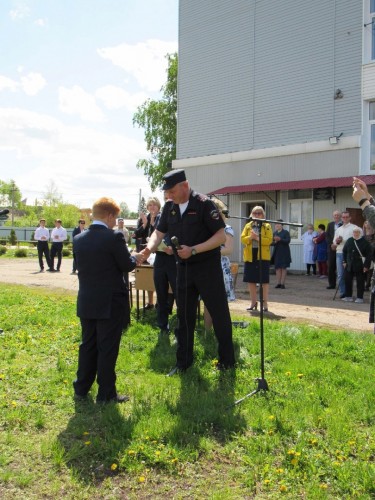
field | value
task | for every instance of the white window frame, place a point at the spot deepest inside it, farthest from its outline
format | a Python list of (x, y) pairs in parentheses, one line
[(296, 232)]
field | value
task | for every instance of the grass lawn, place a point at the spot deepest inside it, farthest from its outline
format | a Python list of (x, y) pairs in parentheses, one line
[(310, 436)]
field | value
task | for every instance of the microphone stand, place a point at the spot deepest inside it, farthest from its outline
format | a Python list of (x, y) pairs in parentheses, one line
[(262, 382)]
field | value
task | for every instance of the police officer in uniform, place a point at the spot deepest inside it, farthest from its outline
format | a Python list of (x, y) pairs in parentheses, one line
[(196, 222)]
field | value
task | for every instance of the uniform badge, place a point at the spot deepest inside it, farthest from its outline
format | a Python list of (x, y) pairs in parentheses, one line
[(173, 212), (215, 214), (202, 197)]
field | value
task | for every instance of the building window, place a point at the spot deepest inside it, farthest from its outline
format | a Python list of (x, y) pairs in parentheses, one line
[(372, 128), (372, 6), (300, 211)]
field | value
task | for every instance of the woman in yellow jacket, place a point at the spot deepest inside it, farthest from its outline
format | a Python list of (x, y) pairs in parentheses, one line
[(250, 238)]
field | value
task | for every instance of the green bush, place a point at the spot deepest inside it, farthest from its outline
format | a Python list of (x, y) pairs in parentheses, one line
[(3, 250), (66, 252), (3, 241), (12, 238), (20, 252)]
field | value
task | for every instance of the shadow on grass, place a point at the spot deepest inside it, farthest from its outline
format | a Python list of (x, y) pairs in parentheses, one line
[(93, 440), (205, 409), (205, 405)]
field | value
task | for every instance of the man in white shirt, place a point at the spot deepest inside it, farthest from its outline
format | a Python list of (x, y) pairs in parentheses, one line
[(122, 229), (58, 235), (42, 236), (341, 235)]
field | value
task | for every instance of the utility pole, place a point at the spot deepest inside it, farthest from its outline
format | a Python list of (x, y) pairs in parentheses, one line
[(13, 190)]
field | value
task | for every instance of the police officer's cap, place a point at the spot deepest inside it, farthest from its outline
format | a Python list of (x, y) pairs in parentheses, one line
[(172, 178)]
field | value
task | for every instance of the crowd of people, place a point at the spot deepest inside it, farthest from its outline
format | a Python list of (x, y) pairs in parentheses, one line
[(188, 242)]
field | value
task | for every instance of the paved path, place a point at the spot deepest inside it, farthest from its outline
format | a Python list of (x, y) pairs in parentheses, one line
[(305, 298)]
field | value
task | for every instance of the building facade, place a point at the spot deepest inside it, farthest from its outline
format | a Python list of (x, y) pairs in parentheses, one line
[(276, 106)]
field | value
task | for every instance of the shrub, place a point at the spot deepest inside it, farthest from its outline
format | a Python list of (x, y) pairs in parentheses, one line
[(12, 238), (66, 252), (3, 241), (3, 250), (20, 252)]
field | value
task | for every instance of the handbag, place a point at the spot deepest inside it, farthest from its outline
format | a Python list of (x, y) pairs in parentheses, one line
[(359, 251)]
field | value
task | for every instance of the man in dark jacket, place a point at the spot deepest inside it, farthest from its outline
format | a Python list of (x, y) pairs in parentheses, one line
[(197, 231), (103, 301)]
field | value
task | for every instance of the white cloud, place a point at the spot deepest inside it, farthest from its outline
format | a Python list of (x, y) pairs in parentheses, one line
[(20, 12), (7, 84), (84, 163), (75, 101), (32, 83), (115, 98), (146, 61), (41, 22)]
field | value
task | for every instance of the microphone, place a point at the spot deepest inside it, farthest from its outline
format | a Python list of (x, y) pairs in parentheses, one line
[(4, 212), (175, 242)]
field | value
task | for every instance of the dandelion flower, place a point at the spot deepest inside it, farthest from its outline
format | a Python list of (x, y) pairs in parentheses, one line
[(291, 452), (114, 466), (85, 433), (271, 417), (131, 452), (280, 471), (141, 479), (300, 375), (157, 453), (87, 443), (323, 486), (294, 461), (288, 374), (283, 488)]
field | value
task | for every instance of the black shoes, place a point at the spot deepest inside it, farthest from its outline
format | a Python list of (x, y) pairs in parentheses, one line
[(330, 287), (282, 287), (342, 296), (278, 286), (50, 270)]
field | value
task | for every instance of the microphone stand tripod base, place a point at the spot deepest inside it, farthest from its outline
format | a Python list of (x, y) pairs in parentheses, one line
[(262, 386)]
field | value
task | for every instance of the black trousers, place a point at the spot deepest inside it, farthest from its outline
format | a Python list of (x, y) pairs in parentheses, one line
[(43, 249), (205, 279), (332, 267), (56, 249), (360, 277), (98, 353), (165, 274)]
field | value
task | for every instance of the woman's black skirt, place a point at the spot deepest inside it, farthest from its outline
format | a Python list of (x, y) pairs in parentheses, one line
[(251, 272)]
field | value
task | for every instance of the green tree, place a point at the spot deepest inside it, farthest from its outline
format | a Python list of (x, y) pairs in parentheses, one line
[(69, 215), (159, 120), (10, 195), (124, 212), (52, 196)]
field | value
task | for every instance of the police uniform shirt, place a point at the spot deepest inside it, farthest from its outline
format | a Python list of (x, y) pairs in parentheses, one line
[(199, 222)]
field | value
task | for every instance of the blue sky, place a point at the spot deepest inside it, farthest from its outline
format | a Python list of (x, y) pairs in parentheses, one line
[(72, 73)]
